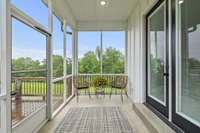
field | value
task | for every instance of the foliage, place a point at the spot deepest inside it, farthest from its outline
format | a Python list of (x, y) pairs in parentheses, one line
[(57, 66), (89, 63), (27, 64), (156, 65), (100, 82), (113, 62)]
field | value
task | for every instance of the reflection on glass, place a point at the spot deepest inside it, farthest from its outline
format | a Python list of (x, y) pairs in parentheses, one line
[(89, 52), (188, 60), (57, 94), (57, 48), (33, 8), (28, 71), (157, 54), (113, 52)]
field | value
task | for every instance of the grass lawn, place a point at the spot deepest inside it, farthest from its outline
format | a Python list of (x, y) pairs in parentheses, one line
[(39, 88)]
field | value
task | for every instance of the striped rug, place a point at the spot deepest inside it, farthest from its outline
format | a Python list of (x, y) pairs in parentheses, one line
[(94, 120)]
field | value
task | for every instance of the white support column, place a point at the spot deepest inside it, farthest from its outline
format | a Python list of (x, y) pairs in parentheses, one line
[(101, 47), (126, 52), (64, 61), (74, 56), (49, 63), (129, 57), (76, 48), (5, 51)]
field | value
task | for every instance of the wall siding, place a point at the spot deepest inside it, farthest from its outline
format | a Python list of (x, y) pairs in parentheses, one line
[(136, 51)]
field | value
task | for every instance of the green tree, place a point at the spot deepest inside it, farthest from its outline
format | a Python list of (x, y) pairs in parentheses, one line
[(57, 66), (27, 67), (113, 61), (89, 63)]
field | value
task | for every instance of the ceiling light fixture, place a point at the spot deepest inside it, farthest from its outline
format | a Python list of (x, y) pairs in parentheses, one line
[(102, 2), (181, 1)]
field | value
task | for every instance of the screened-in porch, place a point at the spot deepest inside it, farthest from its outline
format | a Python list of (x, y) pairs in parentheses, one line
[(99, 66)]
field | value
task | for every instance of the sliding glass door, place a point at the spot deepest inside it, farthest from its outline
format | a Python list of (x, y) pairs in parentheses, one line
[(157, 58), (186, 65)]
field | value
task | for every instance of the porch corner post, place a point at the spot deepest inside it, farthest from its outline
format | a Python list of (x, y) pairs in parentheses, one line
[(65, 61), (74, 57), (5, 75), (126, 52), (101, 47), (49, 63)]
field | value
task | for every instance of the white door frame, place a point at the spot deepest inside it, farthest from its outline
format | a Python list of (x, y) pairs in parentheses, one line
[(29, 21)]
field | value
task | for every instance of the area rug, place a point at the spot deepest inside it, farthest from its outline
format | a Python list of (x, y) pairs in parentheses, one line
[(94, 120)]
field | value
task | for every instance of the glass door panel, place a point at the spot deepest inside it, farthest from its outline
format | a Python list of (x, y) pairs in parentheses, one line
[(157, 58), (187, 93)]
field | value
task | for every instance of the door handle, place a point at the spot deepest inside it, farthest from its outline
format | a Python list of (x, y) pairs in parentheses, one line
[(166, 74)]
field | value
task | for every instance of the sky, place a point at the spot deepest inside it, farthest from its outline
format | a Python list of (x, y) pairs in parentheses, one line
[(109, 39), (34, 46)]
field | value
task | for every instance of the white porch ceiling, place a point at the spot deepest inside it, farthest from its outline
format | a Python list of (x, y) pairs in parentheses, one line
[(90, 10)]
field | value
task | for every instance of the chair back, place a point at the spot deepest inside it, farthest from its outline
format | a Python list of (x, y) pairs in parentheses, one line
[(121, 81), (80, 81)]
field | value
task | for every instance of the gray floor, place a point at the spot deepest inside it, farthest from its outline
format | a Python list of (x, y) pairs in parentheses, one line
[(84, 101)]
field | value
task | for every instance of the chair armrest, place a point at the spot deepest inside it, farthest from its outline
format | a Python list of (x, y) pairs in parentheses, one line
[(112, 83)]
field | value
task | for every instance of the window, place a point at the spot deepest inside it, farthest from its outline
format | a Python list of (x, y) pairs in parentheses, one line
[(89, 52), (101, 52), (69, 50), (33, 8), (113, 52), (58, 63), (28, 70), (188, 61), (57, 48)]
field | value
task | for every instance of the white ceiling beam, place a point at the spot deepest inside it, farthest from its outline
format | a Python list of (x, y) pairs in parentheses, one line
[(101, 25)]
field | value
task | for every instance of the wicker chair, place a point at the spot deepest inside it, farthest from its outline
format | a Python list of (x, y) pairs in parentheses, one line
[(80, 83), (120, 83)]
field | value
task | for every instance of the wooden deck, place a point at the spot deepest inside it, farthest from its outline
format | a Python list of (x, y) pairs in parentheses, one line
[(28, 105)]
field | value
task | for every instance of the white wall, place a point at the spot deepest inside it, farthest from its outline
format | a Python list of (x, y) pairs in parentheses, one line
[(137, 50)]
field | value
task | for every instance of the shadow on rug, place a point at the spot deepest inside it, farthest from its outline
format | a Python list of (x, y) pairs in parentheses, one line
[(94, 120)]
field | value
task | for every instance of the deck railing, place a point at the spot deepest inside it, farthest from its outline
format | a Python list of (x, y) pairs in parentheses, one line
[(91, 77), (29, 94), (36, 86)]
